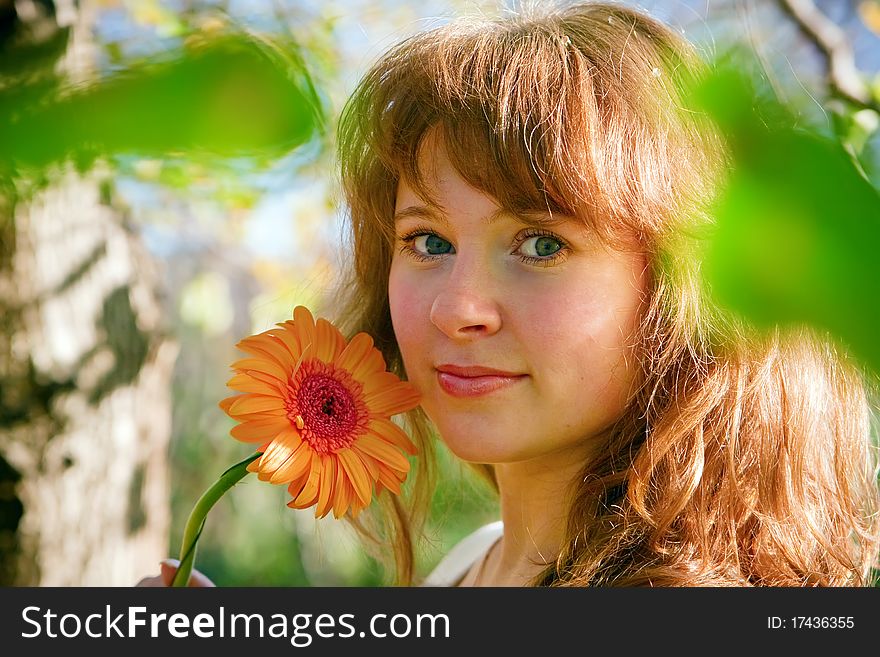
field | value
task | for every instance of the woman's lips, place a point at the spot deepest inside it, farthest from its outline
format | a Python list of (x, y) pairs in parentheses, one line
[(475, 386)]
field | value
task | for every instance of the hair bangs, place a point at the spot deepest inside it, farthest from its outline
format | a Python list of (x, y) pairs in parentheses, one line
[(529, 116), (512, 112)]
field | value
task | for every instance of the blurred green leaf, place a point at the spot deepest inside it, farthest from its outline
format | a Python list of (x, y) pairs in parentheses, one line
[(798, 225), (231, 95)]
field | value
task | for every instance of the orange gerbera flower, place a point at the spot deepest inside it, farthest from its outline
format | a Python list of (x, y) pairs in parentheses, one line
[(321, 409)]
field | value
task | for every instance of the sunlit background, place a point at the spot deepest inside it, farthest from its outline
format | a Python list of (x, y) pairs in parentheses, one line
[(130, 267)]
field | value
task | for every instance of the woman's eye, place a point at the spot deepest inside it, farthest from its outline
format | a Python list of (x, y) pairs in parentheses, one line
[(540, 246), (430, 244)]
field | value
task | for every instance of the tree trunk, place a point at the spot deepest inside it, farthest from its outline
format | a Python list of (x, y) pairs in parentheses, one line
[(85, 378)]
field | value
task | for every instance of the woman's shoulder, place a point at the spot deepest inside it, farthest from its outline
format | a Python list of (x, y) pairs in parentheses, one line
[(464, 554)]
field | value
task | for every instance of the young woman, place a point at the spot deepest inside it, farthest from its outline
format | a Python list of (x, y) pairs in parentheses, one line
[(526, 202)]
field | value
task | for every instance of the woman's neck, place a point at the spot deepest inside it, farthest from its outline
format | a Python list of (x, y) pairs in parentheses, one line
[(535, 496)]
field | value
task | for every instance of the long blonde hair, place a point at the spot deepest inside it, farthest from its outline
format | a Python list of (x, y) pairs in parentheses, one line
[(741, 459)]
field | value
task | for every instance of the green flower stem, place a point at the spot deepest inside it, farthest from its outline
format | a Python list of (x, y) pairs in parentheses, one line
[(196, 521)]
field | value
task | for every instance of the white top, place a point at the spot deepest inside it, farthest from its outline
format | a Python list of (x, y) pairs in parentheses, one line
[(464, 554)]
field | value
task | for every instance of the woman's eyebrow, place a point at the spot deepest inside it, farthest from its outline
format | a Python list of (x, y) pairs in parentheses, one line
[(421, 211), (537, 219)]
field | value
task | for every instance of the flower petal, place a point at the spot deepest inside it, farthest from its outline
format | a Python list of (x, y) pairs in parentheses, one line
[(262, 346), (382, 451), (356, 507), (261, 415), (294, 467), (388, 479), (309, 493), (264, 365), (246, 383), (357, 474), (393, 400), (296, 484), (379, 382), (273, 346), (325, 337), (390, 432), (227, 403), (373, 362), (304, 325), (270, 380), (251, 403), (358, 349), (342, 492), (287, 334), (279, 451), (325, 486), (254, 431), (371, 464)]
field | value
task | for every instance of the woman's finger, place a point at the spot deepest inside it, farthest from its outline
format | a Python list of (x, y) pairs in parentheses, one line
[(168, 568), (154, 581)]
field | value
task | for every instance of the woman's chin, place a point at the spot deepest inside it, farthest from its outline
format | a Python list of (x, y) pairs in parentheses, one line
[(475, 437), (474, 449)]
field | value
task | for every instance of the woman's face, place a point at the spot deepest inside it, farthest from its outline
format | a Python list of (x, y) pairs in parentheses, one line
[(515, 333)]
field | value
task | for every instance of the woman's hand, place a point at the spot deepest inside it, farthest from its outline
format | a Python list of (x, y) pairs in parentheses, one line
[(167, 569)]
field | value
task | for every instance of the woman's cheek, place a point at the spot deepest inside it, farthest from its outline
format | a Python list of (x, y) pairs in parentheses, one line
[(406, 300)]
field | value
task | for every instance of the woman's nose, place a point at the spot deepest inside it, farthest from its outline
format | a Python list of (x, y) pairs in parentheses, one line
[(465, 308)]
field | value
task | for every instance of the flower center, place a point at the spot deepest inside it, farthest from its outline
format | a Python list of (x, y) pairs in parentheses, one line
[(326, 411)]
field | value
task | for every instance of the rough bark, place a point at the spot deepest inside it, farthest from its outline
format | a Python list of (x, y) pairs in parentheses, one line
[(85, 377)]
